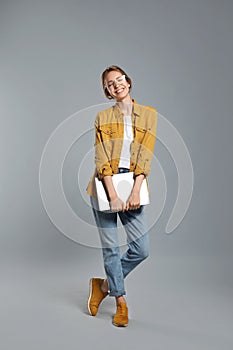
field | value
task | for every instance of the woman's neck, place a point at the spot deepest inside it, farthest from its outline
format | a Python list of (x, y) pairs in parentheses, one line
[(126, 106)]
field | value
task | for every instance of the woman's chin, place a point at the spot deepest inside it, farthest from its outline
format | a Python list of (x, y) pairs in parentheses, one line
[(121, 97)]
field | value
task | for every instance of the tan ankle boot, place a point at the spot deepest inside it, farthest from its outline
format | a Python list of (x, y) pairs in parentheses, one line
[(121, 317), (96, 295)]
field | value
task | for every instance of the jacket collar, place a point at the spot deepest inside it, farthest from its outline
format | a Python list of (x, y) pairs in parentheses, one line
[(136, 109)]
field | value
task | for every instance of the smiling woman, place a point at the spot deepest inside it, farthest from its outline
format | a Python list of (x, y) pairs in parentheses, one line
[(114, 76), (124, 142)]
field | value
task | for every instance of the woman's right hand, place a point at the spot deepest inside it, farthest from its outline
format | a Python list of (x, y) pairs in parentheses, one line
[(117, 205)]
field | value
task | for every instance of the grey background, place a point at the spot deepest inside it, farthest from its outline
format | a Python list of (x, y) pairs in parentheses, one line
[(179, 55)]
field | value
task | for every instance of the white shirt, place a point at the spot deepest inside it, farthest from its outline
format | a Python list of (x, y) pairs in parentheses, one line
[(128, 138)]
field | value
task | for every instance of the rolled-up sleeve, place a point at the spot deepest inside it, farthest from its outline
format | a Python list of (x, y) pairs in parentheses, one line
[(102, 161), (146, 147)]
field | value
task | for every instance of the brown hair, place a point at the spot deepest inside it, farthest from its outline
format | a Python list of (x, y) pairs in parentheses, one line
[(117, 69)]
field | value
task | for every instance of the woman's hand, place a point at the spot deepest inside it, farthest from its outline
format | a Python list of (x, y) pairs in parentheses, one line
[(117, 205), (133, 202)]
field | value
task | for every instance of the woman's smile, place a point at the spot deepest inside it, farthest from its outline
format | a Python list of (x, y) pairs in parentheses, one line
[(119, 90)]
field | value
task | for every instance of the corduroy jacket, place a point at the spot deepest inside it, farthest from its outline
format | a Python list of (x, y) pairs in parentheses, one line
[(109, 134)]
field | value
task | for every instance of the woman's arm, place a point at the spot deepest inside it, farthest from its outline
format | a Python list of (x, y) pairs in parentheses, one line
[(133, 202), (111, 192), (102, 160), (145, 150), (116, 204)]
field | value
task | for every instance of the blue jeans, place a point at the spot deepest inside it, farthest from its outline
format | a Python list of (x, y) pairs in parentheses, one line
[(118, 267)]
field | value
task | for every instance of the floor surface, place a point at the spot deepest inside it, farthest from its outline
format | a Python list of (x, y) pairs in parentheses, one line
[(184, 303)]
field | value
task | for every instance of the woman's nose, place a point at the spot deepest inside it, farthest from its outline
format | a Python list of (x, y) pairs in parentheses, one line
[(115, 83)]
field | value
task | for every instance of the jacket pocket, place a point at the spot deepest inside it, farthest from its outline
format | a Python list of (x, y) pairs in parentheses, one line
[(140, 133), (107, 132), (140, 129)]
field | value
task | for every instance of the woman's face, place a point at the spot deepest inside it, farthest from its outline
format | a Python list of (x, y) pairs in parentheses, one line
[(117, 85)]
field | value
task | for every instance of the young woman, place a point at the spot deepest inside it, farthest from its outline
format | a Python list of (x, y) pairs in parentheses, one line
[(124, 141)]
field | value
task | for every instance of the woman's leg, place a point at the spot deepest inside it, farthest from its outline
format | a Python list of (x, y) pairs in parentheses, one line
[(134, 222), (107, 227)]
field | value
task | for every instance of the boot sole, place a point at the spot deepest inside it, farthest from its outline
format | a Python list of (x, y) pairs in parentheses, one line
[(120, 325), (90, 293)]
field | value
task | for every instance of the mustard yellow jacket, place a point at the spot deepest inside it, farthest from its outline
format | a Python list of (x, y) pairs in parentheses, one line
[(109, 134)]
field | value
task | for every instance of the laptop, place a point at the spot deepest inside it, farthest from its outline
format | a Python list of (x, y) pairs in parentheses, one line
[(123, 184)]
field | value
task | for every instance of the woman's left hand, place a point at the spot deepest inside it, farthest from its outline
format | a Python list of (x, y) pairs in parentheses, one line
[(133, 202)]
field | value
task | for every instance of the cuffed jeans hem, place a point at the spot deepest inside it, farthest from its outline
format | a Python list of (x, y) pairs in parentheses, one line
[(116, 294)]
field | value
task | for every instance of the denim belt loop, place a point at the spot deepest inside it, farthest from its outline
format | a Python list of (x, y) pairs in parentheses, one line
[(123, 170)]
